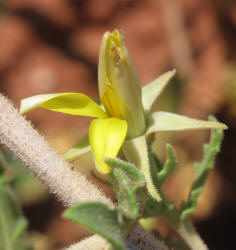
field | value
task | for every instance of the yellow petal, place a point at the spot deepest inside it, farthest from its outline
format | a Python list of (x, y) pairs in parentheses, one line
[(106, 137), (165, 121), (69, 103)]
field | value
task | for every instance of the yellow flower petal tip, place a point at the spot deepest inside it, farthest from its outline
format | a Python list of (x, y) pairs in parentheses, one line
[(68, 103), (106, 138)]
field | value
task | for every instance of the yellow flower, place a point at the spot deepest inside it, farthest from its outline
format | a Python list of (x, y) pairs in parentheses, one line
[(106, 135), (122, 114)]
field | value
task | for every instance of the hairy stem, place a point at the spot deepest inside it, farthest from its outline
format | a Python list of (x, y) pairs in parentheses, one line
[(187, 231), (184, 228)]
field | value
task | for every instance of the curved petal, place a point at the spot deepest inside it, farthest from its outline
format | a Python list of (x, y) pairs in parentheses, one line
[(69, 103), (165, 121), (106, 137), (79, 149), (151, 91)]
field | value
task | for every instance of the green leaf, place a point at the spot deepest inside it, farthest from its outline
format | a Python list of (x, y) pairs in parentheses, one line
[(128, 185), (168, 167), (12, 223), (165, 121), (99, 219), (20, 227), (152, 91), (79, 149), (154, 208), (159, 173), (202, 170), (127, 203), (135, 176)]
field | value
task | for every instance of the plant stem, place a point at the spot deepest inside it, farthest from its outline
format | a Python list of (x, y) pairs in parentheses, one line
[(190, 235), (186, 230)]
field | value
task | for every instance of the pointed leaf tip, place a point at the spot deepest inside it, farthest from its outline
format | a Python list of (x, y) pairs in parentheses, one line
[(151, 92), (165, 121)]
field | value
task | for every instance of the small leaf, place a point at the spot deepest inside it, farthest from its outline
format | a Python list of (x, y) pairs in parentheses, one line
[(99, 219), (202, 170), (165, 121), (134, 175), (126, 196), (12, 223), (20, 227), (79, 149), (154, 208), (168, 167), (152, 91)]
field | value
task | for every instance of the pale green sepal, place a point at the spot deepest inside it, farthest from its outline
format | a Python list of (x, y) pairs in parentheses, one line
[(165, 121), (79, 149), (68, 103), (136, 151), (152, 91)]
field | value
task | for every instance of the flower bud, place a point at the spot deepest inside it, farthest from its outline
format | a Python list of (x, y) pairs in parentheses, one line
[(119, 86)]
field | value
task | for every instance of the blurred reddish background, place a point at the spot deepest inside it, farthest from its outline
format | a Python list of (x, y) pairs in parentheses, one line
[(53, 46)]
